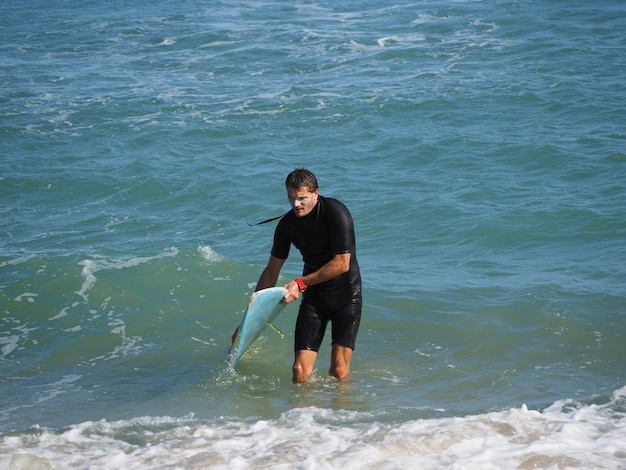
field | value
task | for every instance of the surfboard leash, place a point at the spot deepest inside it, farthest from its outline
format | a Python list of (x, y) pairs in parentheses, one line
[(264, 221), (280, 333)]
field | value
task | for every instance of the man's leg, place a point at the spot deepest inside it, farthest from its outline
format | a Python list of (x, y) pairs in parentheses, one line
[(303, 365), (340, 361)]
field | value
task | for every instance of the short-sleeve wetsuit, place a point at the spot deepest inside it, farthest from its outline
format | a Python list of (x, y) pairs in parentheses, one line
[(326, 231)]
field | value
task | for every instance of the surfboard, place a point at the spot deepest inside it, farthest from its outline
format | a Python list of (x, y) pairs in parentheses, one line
[(263, 307)]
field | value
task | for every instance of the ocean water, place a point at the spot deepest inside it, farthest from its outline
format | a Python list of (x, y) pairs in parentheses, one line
[(481, 147)]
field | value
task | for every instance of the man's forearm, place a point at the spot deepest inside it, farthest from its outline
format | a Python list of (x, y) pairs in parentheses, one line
[(337, 266)]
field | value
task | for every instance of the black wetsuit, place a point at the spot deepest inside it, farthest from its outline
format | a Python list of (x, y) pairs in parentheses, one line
[(326, 231)]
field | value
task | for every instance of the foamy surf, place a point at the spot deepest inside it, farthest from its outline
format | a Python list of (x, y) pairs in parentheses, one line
[(565, 435)]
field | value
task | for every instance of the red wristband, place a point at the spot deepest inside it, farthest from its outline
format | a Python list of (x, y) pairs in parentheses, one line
[(301, 285)]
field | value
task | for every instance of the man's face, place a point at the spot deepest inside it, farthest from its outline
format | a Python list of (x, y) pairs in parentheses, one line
[(302, 200)]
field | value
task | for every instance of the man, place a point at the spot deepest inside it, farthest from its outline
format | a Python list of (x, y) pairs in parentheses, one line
[(323, 230)]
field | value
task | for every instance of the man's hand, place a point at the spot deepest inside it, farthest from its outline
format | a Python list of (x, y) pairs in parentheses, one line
[(293, 292)]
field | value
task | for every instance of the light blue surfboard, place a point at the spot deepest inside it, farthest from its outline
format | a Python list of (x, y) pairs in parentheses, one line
[(263, 307)]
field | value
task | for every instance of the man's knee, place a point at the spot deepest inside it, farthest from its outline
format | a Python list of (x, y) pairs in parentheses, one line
[(303, 366), (340, 370), (300, 373), (340, 361)]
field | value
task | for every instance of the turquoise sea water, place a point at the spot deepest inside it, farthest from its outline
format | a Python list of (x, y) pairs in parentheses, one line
[(481, 147)]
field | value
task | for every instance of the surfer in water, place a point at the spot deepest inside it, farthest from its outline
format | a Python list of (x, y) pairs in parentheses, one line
[(330, 285)]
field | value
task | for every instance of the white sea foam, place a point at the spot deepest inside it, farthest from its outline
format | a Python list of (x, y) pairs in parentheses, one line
[(16, 261), (61, 314), (9, 344), (29, 296), (209, 254), (386, 41), (565, 435), (14, 337), (91, 266)]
